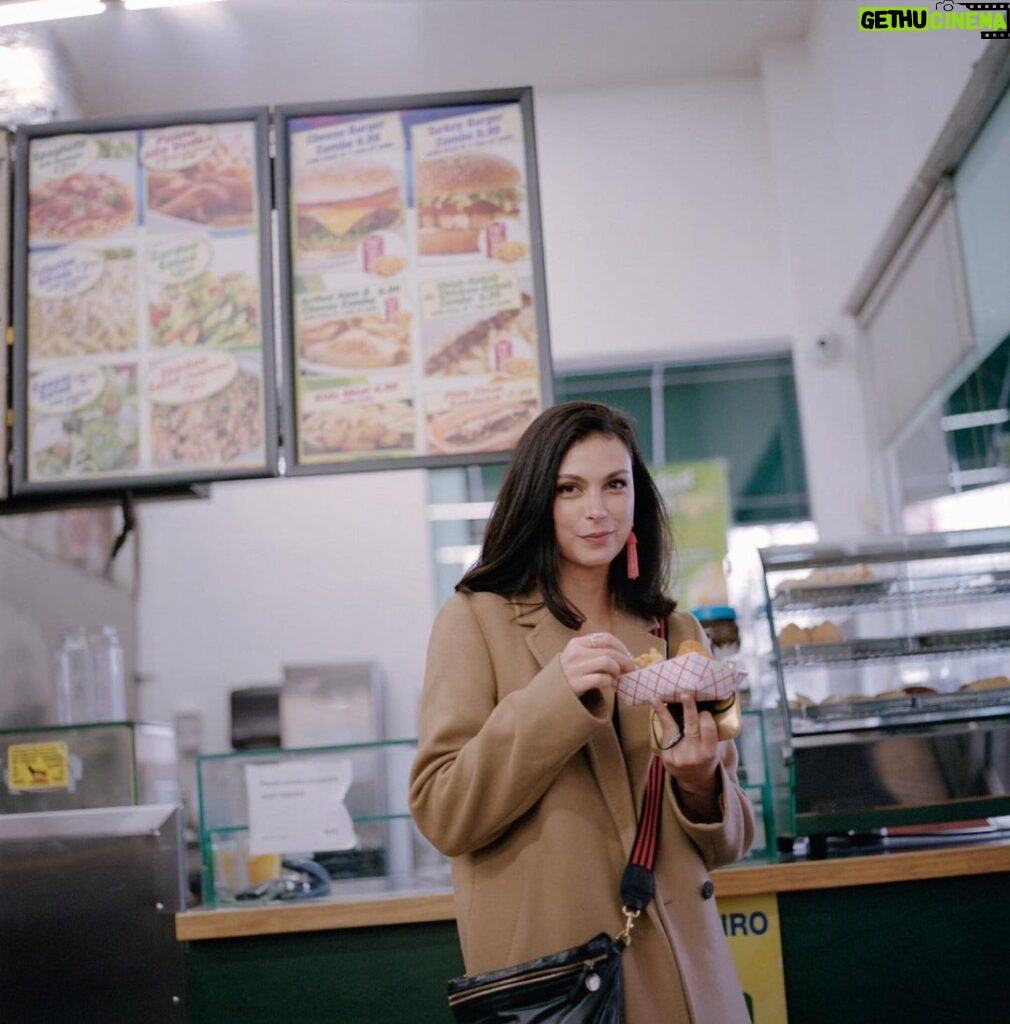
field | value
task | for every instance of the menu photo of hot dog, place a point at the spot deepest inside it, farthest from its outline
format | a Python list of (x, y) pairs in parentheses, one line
[(482, 418)]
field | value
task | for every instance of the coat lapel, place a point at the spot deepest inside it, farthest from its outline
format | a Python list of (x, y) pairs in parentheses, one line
[(547, 637)]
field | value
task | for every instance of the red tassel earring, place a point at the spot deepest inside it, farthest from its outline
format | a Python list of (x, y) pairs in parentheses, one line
[(632, 546)]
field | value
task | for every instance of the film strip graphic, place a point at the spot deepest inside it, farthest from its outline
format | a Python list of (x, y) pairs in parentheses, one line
[(1004, 7)]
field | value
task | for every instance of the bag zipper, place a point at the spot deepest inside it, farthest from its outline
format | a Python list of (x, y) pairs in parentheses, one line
[(544, 975)]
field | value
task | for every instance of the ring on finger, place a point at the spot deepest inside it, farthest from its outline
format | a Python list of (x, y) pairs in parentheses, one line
[(594, 639), (693, 733), (669, 742)]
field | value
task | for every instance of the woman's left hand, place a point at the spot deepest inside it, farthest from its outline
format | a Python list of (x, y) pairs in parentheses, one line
[(692, 757)]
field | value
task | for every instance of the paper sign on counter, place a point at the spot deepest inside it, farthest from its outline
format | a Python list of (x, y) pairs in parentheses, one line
[(298, 806)]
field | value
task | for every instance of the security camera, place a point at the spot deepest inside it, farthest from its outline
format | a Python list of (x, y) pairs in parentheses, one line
[(826, 348)]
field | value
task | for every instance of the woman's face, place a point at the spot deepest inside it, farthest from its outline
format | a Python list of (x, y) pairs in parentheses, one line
[(594, 502)]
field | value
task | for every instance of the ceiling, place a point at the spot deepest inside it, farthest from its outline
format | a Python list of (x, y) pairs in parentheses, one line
[(253, 52)]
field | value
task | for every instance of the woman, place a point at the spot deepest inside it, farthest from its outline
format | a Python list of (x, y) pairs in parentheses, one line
[(529, 774)]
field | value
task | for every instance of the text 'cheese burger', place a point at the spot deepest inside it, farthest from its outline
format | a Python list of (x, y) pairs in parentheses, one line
[(338, 205), (459, 194)]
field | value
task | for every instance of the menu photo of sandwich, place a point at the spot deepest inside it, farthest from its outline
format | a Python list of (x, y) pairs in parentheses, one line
[(341, 203), (470, 203), (487, 418), (353, 329), (501, 343)]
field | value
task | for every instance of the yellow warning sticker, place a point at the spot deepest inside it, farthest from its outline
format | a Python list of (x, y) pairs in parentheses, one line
[(37, 766)]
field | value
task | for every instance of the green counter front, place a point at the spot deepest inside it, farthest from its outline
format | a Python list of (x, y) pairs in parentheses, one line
[(883, 937)]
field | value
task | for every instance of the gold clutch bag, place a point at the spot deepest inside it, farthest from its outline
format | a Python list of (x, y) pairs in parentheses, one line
[(726, 712)]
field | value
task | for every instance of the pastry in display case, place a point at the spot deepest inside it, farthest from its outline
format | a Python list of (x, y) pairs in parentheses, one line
[(892, 660), (302, 823)]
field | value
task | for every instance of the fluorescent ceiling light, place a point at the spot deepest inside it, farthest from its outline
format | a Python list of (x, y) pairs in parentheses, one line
[(146, 5), (28, 11), (985, 418)]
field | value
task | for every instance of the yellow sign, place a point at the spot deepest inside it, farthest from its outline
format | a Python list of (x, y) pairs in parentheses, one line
[(751, 924), (37, 766)]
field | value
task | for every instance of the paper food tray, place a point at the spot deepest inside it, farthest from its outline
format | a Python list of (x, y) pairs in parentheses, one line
[(692, 674)]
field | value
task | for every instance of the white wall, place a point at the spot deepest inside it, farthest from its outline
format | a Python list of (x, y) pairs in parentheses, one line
[(660, 229), (851, 118), (717, 216), (267, 573)]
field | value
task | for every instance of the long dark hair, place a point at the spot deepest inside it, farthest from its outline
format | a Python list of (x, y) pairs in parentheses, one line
[(520, 551)]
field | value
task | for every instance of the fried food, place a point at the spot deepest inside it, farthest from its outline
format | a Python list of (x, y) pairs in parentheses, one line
[(653, 657), (693, 647)]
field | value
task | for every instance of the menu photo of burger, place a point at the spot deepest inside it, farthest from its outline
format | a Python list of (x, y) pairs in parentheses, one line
[(469, 202), (338, 205)]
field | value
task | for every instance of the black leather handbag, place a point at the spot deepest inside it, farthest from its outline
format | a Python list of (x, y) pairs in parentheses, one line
[(581, 985)]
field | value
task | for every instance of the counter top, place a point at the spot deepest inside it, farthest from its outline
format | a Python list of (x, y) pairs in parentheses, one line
[(749, 878)]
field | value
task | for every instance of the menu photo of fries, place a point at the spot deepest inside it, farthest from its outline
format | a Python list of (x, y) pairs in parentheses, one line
[(201, 174)]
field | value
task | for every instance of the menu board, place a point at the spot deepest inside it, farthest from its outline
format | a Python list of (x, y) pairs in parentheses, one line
[(143, 321), (412, 281)]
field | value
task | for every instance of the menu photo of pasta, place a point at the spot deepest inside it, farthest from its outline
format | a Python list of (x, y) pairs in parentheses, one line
[(199, 174), (81, 187), (354, 328), (83, 419), (479, 325), (82, 302), (142, 334), (206, 410), (355, 418), (201, 292)]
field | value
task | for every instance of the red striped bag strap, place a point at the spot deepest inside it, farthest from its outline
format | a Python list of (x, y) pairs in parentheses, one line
[(637, 882)]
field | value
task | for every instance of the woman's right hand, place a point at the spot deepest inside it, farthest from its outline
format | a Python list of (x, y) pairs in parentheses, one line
[(594, 662)]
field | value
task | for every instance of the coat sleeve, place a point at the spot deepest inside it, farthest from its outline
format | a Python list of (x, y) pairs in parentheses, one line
[(483, 760), (727, 840)]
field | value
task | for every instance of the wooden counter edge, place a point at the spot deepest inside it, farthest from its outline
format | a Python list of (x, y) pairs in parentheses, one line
[(229, 923), (739, 880)]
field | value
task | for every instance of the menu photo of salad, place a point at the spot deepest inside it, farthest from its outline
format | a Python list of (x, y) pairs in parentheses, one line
[(201, 292), (144, 337), (83, 420)]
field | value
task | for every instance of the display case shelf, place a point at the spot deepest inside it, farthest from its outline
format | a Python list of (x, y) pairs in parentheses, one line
[(891, 663)]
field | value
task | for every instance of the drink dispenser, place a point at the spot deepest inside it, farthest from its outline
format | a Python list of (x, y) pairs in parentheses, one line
[(90, 677)]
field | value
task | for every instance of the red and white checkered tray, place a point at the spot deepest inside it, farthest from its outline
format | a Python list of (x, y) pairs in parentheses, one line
[(669, 680)]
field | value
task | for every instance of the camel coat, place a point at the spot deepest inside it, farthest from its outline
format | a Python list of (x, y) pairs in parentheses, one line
[(534, 795)]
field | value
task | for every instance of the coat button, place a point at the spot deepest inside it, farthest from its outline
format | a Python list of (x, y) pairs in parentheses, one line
[(707, 890)]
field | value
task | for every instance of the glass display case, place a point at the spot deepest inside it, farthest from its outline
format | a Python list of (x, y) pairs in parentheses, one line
[(310, 823), (100, 764), (892, 658)]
